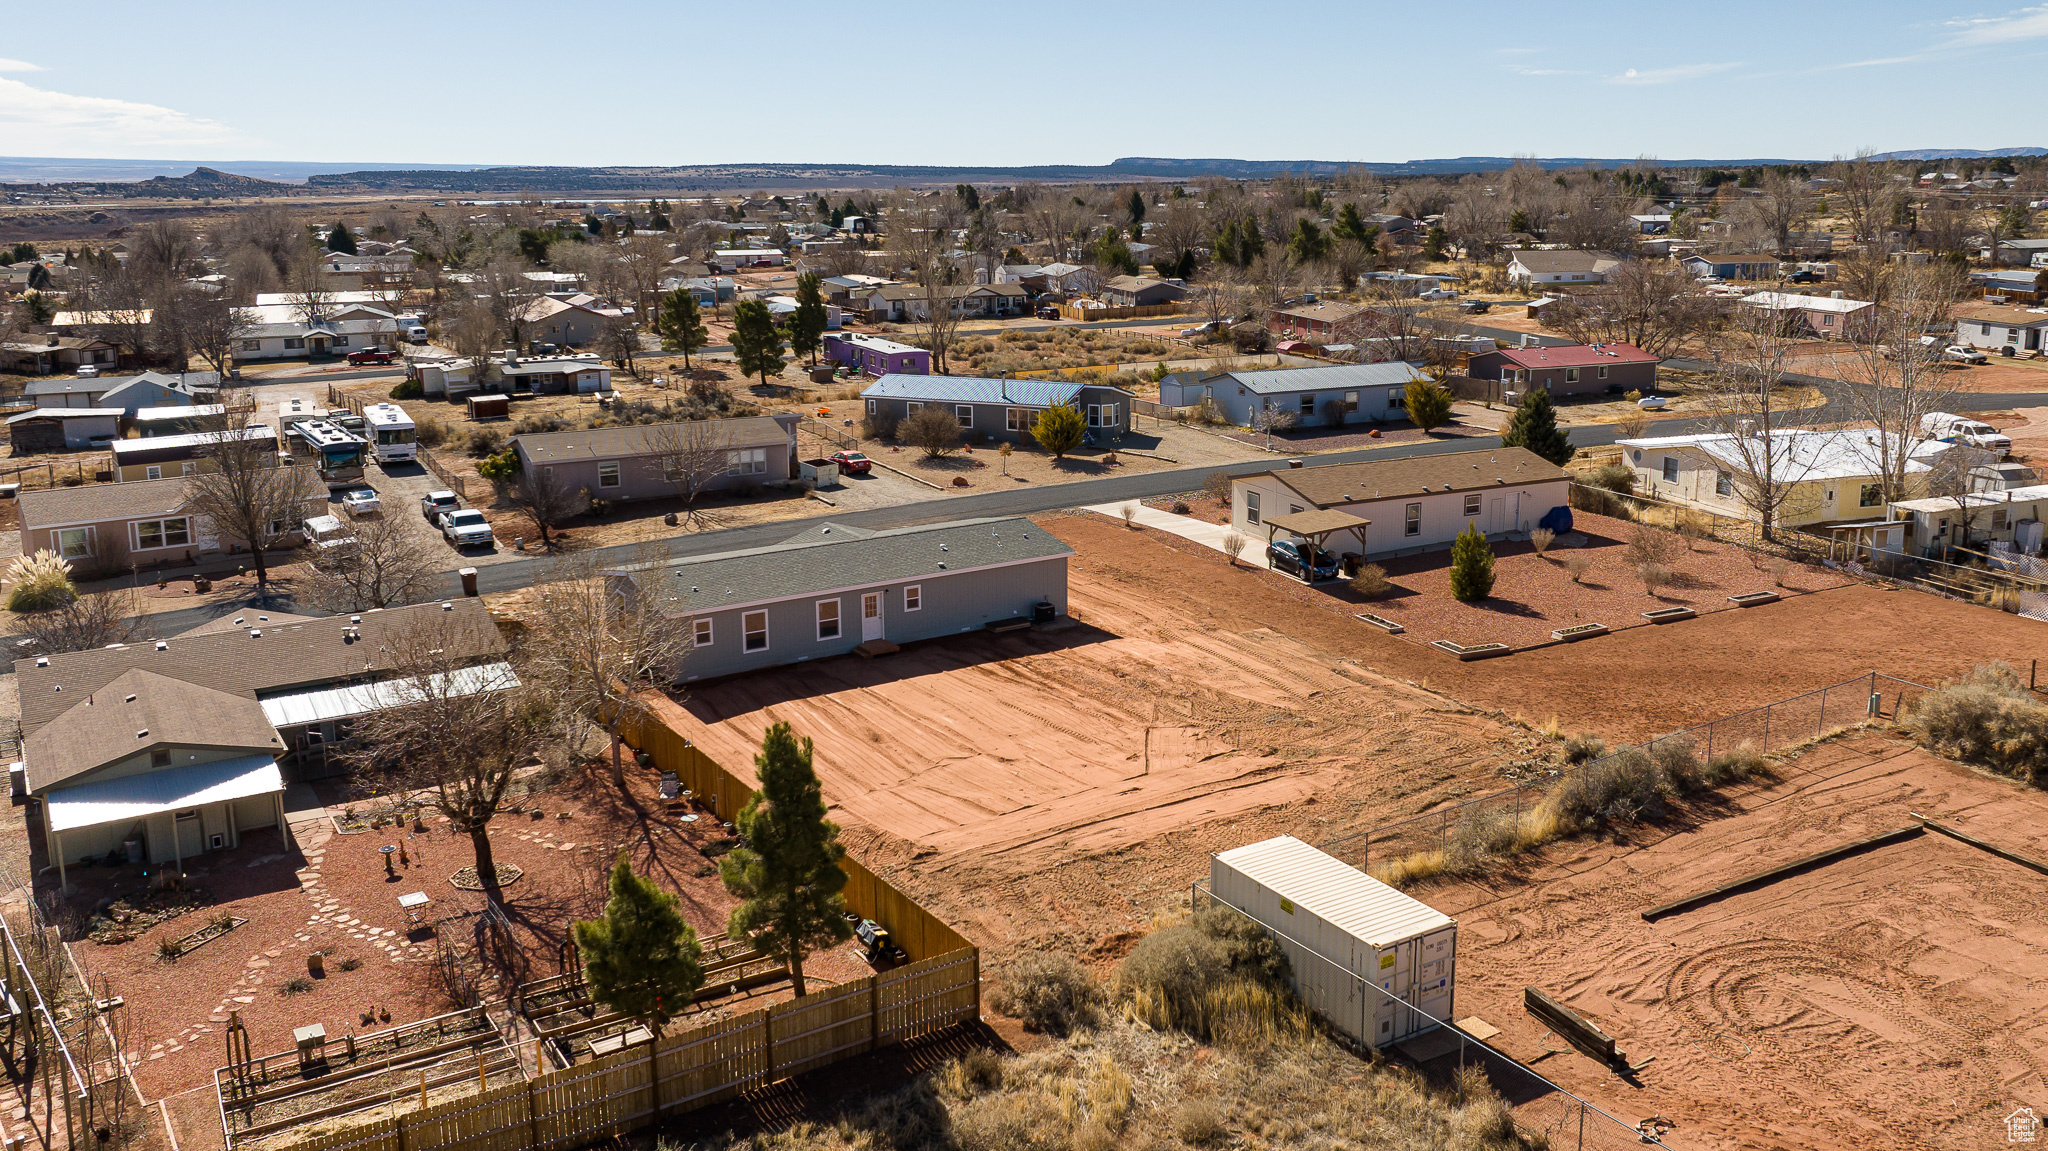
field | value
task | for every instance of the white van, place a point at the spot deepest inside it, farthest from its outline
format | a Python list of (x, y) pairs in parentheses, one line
[(416, 335)]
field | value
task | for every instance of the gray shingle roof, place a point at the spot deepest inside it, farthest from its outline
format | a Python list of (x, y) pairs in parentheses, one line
[(831, 558), (98, 503), (639, 439), (1390, 374), (137, 711), (972, 390), (1403, 477)]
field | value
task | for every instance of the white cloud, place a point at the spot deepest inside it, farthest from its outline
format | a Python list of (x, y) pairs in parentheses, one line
[(1670, 75), (2024, 24), (38, 122), (7, 65)]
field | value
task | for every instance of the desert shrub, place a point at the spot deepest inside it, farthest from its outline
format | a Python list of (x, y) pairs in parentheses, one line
[(538, 423), (1654, 576), (430, 432), (1622, 787), (1216, 485), (1541, 539), (1578, 566), (1049, 992), (1483, 1118), (1129, 512), (878, 426), (1180, 508), (348, 963), (1198, 1122), (1779, 567), (1632, 425), (1584, 746), (1679, 770), (1218, 976), (1012, 1121), (167, 949), (297, 985), (1615, 477), (977, 1071), (1483, 833), (1233, 546), (409, 390), (481, 442), (1989, 718), (39, 582), (1371, 581), (1742, 764), (1648, 545)]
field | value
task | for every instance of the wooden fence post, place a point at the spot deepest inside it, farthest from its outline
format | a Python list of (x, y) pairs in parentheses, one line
[(768, 1045), (874, 1011), (654, 1073), (532, 1118)]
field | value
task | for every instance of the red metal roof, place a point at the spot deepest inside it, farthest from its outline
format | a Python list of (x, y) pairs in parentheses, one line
[(1577, 356)]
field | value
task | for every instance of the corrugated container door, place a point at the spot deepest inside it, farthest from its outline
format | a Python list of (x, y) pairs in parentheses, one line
[(1436, 973), (1397, 981)]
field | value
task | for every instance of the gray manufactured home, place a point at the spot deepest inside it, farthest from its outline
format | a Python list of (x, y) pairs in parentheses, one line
[(1316, 397), (834, 587), (1002, 408)]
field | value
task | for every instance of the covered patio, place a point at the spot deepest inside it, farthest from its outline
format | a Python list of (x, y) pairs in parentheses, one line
[(165, 816), (1317, 525)]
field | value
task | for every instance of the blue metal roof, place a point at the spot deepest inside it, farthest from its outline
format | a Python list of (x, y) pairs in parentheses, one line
[(972, 390)]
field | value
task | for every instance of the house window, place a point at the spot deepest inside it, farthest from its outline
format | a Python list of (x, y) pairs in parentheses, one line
[(965, 414), (153, 472), (1724, 483), (703, 633), (752, 462), (1471, 505), (1600, 373), (1308, 403), (1670, 469), (74, 542), (754, 631), (1571, 375), (188, 468), (911, 406), (1869, 495), (293, 342), (163, 533), (252, 345), (608, 474), (1021, 419), (828, 619), (871, 407), (913, 597), (1397, 397), (1294, 509), (1998, 516), (1413, 526), (1251, 507), (341, 341), (1350, 401)]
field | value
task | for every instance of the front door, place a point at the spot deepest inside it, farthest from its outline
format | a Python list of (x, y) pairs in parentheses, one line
[(870, 616), (1496, 514)]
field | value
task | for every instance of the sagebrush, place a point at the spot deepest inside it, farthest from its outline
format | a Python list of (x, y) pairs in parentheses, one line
[(1987, 718)]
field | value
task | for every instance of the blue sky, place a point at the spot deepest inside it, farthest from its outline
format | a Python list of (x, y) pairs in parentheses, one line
[(457, 81)]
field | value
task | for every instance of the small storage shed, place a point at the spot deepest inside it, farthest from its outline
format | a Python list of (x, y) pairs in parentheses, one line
[(1369, 959), (490, 407)]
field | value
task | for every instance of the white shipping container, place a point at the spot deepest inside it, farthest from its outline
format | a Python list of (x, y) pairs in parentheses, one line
[(1343, 929)]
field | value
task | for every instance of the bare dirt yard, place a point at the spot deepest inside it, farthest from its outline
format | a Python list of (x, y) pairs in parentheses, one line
[(1886, 999)]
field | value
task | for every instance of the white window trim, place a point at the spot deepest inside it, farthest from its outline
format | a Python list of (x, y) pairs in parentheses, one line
[(965, 414), (153, 471), (704, 634), (609, 468), (913, 597), (1251, 507), (89, 535), (1411, 520), (163, 533), (1471, 505), (837, 619), (747, 633)]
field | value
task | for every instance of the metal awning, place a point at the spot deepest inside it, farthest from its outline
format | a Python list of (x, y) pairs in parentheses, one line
[(172, 789), (301, 708), (1317, 522)]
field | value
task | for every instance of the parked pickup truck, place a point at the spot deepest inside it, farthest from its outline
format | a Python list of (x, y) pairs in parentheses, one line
[(434, 504), (465, 528), (371, 356), (1956, 429)]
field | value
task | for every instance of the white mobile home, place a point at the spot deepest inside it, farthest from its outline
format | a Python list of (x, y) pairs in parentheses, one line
[(1375, 963)]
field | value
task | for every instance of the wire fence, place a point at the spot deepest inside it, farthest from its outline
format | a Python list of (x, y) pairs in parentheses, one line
[(1778, 726), (1544, 1113)]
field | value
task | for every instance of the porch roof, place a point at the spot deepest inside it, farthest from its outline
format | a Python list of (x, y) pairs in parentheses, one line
[(172, 789)]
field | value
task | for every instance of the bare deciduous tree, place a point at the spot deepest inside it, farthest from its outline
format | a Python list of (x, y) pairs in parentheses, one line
[(387, 567), (244, 494), (548, 499), (414, 747), (1892, 382), (206, 322), (924, 247), (1739, 400), (89, 621), (603, 639), (1655, 306), (691, 455)]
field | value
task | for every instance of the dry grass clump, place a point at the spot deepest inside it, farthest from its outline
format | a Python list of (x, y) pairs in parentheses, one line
[(1216, 976), (1049, 992), (1987, 718), (1371, 581)]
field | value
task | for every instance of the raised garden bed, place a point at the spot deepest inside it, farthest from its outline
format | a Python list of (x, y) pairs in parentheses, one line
[(1669, 614), (216, 927), (353, 822), (1381, 622), (121, 920), (1753, 598), (1579, 631), (1476, 651)]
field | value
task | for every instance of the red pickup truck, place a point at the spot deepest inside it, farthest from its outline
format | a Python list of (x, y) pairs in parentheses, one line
[(371, 356)]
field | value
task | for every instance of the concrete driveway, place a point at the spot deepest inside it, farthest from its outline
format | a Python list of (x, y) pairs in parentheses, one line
[(1188, 528)]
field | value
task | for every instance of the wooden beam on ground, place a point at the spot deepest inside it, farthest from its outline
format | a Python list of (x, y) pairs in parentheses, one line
[(1785, 871), (1574, 1028), (2010, 856)]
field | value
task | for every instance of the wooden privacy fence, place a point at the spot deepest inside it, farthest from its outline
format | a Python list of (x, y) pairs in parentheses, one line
[(640, 1086), (918, 932), (1128, 312)]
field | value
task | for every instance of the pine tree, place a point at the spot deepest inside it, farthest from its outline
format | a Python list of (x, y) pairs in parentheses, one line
[(341, 240), (1350, 224), (1059, 429), (1136, 206), (1534, 426), (1471, 565), (788, 876), (756, 341), (807, 326), (1433, 247), (970, 200), (680, 324), (641, 959)]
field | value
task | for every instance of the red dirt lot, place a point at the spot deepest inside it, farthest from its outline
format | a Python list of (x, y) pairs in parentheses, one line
[(1534, 595), (1631, 686), (1887, 999)]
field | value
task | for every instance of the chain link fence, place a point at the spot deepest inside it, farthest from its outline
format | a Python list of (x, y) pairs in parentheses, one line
[(1473, 829), (1544, 1113)]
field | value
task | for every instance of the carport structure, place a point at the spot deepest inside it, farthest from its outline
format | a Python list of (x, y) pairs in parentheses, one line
[(1316, 526)]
